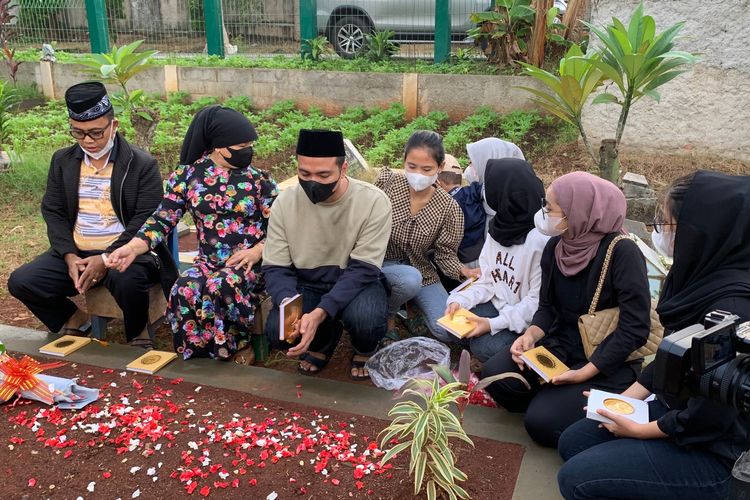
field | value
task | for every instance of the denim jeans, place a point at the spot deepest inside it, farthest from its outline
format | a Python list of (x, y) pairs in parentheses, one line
[(600, 465), (406, 284), (487, 345), (364, 318)]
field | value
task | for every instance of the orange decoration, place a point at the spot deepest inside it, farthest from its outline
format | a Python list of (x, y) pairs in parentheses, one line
[(20, 375)]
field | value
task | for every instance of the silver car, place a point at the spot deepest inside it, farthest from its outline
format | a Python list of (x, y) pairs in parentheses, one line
[(346, 23)]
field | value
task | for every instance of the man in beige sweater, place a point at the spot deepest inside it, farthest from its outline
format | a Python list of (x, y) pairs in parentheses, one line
[(326, 241)]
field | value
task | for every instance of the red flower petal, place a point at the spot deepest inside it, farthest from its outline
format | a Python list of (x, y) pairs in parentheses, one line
[(335, 482), (32, 482), (205, 491), (106, 475)]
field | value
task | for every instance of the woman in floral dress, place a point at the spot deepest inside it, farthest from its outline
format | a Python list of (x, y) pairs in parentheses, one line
[(213, 303)]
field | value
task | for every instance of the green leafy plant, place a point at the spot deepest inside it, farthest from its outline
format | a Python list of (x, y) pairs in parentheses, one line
[(555, 28), (635, 59), (118, 67), (503, 31), (315, 48), (424, 427), (8, 98), (7, 33), (462, 55), (380, 45), (638, 61), (464, 375), (568, 90)]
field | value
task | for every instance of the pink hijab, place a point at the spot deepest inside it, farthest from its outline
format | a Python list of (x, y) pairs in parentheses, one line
[(594, 207)]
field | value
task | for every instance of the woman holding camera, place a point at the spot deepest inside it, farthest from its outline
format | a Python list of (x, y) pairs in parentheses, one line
[(583, 214), (688, 449)]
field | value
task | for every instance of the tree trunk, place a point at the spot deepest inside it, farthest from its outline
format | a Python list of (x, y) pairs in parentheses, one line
[(574, 12), (144, 130), (539, 35), (609, 161)]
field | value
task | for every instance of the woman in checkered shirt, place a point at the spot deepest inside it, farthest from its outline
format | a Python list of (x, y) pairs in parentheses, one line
[(426, 219)]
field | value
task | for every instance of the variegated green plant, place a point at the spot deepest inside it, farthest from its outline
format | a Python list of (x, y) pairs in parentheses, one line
[(423, 427)]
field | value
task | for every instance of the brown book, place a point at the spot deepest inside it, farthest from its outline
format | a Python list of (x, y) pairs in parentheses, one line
[(64, 345), (544, 363), (459, 325), (290, 312), (151, 362)]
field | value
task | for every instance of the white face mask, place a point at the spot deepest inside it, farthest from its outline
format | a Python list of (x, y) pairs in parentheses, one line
[(106, 149), (664, 242), (547, 224), (419, 182)]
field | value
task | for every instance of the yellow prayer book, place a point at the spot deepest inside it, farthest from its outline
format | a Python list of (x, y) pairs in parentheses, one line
[(151, 362), (544, 363), (64, 345), (463, 286), (460, 326), (290, 312)]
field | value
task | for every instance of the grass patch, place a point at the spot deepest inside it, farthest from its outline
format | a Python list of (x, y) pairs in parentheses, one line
[(21, 224), (333, 63)]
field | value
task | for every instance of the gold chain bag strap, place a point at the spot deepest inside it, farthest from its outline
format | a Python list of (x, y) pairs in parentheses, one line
[(596, 326)]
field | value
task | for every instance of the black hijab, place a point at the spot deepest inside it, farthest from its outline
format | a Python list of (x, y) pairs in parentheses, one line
[(515, 193), (215, 127), (711, 251)]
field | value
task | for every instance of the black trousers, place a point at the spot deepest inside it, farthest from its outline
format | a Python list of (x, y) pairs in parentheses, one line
[(43, 285), (365, 318), (550, 409)]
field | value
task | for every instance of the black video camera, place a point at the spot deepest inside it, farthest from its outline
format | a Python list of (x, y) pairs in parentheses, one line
[(703, 360)]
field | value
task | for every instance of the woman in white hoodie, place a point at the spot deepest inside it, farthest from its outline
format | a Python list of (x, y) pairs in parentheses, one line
[(506, 295), (480, 153)]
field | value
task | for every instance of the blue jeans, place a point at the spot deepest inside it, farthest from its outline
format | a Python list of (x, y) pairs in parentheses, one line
[(487, 345), (600, 465), (406, 284), (365, 318)]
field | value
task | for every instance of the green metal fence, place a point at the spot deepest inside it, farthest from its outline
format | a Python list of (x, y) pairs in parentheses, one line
[(422, 28)]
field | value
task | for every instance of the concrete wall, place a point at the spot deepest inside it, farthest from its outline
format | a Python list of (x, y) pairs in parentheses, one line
[(459, 96), (331, 91), (704, 111)]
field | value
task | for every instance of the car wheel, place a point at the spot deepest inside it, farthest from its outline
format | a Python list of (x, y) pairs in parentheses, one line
[(348, 36)]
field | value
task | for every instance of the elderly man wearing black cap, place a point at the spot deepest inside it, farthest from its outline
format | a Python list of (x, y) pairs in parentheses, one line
[(326, 241), (99, 193)]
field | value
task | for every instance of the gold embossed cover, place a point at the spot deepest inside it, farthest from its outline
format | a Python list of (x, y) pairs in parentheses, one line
[(64, 345), (544, 363), (151, 362), (460, 326)]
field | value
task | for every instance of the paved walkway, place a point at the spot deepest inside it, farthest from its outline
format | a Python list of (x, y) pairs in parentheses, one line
[(537, 478)]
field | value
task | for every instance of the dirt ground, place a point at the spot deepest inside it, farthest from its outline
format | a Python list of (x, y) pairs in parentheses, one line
[(151, 437)]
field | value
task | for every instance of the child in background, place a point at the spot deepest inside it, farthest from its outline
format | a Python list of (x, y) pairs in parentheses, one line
[(469, 198)]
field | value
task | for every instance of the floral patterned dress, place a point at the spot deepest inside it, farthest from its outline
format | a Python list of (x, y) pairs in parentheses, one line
[(211, 307)]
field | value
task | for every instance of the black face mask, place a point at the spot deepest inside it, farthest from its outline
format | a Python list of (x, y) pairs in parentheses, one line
[(239, 158), (317, 191)]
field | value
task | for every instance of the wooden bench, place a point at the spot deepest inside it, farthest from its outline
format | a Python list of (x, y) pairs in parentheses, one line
[(102, 307)]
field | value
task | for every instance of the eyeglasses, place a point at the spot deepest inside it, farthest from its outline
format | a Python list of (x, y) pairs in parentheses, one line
[(94, 133), (657, 224), (545, 208)]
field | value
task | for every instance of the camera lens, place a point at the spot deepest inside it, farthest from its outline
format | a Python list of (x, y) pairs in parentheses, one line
[(729, 384)]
